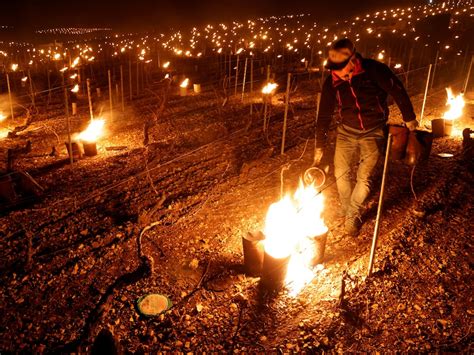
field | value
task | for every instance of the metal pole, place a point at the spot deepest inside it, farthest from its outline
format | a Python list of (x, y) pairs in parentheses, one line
[(31, 89), (66, 101), (434, 69), (68, 126), (251, 85), (49, 84), (467, 77), (90, 98), (265, 109), (130, 79), (379, 208), (10, 96), (236, 75), (138, 77), (230, 69), (110, 96), (121, 88), (245, 77), (426, 93), (318, 102), (285, 117), (410, 57)]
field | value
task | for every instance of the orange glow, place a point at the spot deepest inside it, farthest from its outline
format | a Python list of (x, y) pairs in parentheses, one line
[(289, 225), (93, 132), (184, 83), (456, 105)]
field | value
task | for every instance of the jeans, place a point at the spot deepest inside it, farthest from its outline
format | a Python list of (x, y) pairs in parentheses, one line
[(350, 145)]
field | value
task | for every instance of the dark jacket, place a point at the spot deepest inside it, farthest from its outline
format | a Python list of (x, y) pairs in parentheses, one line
[(361, 101)]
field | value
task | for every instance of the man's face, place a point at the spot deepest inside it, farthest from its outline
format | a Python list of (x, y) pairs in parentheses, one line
[(346, 72)]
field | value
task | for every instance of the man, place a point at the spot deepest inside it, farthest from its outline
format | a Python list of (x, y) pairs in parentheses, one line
[(359, 88)]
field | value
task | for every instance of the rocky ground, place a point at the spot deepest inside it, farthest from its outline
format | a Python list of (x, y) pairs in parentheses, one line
[(76, 261)]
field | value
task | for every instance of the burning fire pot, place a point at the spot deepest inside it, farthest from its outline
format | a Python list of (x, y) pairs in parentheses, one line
[(319, 244), (197, 88), (252, 245), (441, 127), (89, 137), (274, 271), (183, 87)]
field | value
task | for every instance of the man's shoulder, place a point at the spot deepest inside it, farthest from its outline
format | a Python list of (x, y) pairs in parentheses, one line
[(375, 69), (369, 63)]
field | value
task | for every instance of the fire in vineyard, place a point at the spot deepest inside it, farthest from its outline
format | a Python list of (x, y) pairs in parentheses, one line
[(269, 88), (93, 132), (184, 83), (456, 105), (2, 117), (290, 226)]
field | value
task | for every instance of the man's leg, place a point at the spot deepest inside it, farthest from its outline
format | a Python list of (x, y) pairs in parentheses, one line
[(370, 146), (346, 147)]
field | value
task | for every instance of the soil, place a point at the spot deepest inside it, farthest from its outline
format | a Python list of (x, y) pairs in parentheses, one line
[(169, 218)]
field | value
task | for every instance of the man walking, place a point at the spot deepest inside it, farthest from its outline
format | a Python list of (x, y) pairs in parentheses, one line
[(359, 88)]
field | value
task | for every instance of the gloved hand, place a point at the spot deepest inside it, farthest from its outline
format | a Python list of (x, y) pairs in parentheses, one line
[(411, 125), (318, 156)]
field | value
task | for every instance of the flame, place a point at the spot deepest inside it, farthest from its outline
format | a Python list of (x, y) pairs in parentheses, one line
[(166, 65), (75, 89), (75, 62), (456, 105), (289, 225), (93, 132), (269, 88), (2, 117), (14, 67), (184, 83)]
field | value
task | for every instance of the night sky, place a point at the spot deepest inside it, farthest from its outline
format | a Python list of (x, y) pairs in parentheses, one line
[(124, 14)]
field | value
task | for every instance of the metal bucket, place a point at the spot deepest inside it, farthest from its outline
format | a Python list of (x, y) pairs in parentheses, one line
[(438, 127), (183, 91), (419, 147), (76, 150), (274, 272), (448, 127), (252, 245), (319, 244), (90, 148), (399, 141)]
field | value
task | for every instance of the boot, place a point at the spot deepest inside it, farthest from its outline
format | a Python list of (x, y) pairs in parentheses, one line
[(352, 225)]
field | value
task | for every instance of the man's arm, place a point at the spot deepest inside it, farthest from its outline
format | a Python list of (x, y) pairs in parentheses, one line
[(326, 110), (388, 81)]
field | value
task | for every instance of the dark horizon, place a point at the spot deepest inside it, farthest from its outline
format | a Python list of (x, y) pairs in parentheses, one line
[(27, 15)]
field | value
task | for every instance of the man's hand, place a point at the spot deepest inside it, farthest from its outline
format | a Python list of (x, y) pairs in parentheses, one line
[(318, 155), (411, 125)]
